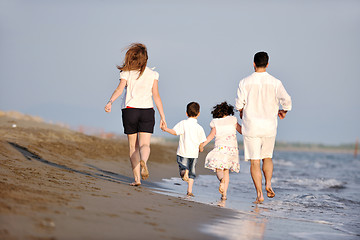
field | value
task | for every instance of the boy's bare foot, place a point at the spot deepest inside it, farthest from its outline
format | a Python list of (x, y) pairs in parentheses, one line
[(135, 184), (144, 170), (221, 186), (186, 176), (189, 194), (270, 192)]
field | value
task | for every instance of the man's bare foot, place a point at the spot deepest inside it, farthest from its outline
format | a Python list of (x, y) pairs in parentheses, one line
[(189, 194), (135, 184), (221, 186), (144, 170), (259, 200), (270, 192), (186, 176)]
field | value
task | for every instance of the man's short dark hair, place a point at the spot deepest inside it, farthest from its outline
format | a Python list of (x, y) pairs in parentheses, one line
[(192, 109), (261, 59)]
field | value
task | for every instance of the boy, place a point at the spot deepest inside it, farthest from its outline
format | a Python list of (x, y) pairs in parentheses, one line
[(191, 135)]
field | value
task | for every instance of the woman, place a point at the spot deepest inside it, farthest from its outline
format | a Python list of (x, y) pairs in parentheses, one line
[(141, 88)]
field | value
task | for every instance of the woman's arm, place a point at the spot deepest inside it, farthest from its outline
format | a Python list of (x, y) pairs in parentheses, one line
[(118, 91), (158, 102)]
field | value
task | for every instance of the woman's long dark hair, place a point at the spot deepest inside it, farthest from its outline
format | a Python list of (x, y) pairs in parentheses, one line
[(223, 109)]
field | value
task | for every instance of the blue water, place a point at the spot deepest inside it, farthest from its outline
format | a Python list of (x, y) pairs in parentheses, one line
[(311, 188)]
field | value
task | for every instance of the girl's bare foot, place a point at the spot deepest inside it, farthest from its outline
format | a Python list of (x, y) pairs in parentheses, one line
[(221, 186), (144, 170), (135, 184), (186, 176)]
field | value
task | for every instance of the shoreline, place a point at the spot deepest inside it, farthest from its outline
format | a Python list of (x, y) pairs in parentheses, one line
[(59, 184)]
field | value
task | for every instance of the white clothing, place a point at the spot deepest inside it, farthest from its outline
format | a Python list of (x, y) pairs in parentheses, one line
[(259, 95), (138, 92), (191, 135), (258, 148), (225, 154)]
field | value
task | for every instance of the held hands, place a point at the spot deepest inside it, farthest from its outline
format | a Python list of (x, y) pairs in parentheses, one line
[(163, 125), (282, 114), (201, 147)]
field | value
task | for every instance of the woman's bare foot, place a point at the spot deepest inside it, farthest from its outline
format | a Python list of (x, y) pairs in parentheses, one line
[(221, 186), (270, 192), (186, 176), (135, 184), (189, 194), (144, 170)]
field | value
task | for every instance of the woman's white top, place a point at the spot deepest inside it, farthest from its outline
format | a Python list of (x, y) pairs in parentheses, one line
[(138, 91)]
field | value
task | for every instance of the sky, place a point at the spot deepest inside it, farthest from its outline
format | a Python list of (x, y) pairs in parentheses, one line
[(58, 59)]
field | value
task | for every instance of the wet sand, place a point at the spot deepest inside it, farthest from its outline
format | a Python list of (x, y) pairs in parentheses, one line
[(60, 184)]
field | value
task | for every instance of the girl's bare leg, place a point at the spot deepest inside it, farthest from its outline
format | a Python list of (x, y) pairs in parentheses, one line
[(220, 176), (226, 184), (256, 175), (144, 144), (134, 157)]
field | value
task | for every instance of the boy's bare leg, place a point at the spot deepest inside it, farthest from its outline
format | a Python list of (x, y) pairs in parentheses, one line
[(190, 186), (134, 157), (144, 144), (256, 176), (268, 168)]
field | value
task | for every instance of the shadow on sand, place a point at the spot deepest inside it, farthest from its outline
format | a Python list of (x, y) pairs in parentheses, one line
[(98, 173)]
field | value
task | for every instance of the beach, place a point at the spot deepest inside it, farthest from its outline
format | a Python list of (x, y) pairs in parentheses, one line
[(57, 183), (60, 184)]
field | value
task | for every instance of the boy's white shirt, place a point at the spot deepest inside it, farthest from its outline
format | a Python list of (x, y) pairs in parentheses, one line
[(191, 135), (259, 95)]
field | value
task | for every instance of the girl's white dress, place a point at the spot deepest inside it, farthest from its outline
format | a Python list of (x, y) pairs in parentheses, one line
[(225, 154)]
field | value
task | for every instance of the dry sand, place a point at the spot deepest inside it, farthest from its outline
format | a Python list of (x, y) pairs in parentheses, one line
[(59, 184)]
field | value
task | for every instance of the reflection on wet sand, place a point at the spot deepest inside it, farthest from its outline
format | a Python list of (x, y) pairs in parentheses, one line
[(247, 226)]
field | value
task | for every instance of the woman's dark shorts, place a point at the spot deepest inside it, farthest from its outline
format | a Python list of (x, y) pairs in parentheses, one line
[(138, 120)]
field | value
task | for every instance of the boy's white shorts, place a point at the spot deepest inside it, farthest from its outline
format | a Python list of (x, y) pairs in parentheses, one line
[(258, 147)]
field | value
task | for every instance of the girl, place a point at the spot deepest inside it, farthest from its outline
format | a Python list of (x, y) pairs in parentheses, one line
[(224, 156), (138, 115)]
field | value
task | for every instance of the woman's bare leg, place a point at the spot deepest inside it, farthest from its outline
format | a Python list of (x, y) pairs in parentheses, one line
[(134, 157), (144, 144)]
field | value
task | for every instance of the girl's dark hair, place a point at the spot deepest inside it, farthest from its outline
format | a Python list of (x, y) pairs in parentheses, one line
[(135, 58), (223, 109)]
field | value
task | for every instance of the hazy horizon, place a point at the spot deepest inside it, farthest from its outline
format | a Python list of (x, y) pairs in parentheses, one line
[(58, 59)]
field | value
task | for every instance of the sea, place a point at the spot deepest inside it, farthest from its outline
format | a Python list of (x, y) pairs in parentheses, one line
[(317, 197)]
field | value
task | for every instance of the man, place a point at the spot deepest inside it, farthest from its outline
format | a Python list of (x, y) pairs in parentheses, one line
[(258, 98)]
